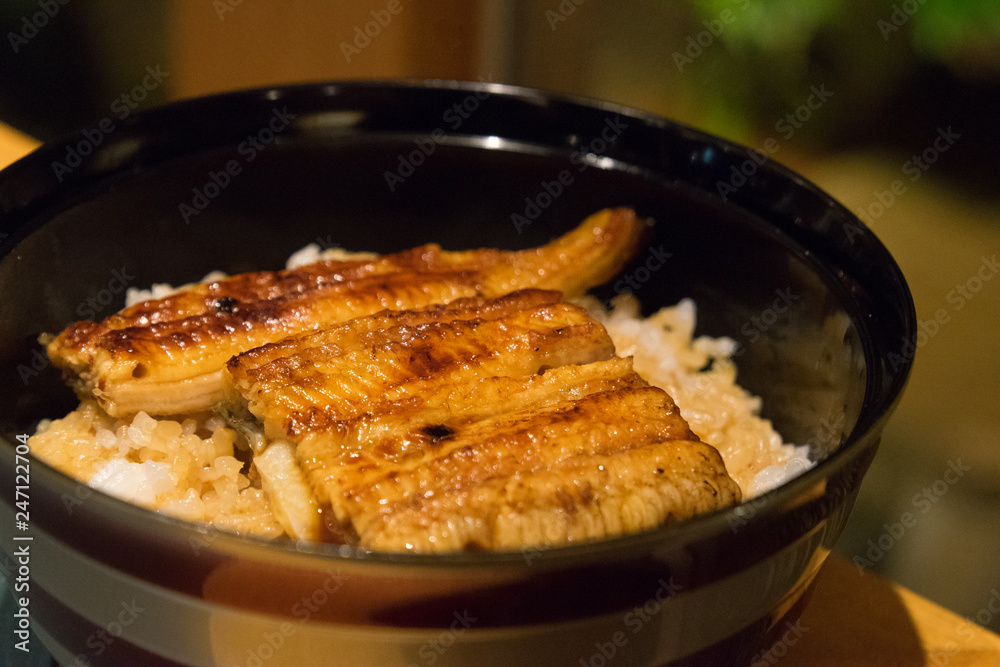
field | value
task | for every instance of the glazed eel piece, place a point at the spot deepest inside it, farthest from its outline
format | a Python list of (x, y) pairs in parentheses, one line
[(166, 356), (496, 424)]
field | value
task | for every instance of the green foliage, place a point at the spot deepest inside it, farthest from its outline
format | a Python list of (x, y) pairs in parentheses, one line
[(773, 26), (944, 30), (949, 30)]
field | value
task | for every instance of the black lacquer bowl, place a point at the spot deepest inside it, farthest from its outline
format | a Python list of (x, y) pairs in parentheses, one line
[(237, 182)]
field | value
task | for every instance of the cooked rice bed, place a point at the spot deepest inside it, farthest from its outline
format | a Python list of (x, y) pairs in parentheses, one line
[(701, 377), (187, 468)]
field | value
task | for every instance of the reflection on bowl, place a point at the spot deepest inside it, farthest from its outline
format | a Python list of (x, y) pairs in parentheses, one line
[(115, 584)]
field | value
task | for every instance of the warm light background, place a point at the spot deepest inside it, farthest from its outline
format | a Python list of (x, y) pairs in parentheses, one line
[(892, 90)]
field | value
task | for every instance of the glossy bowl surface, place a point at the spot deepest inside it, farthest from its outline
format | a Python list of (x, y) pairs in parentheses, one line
[(238, 181)]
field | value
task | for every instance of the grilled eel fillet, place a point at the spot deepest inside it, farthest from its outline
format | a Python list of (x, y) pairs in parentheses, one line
[(165, 356), (486, 423)]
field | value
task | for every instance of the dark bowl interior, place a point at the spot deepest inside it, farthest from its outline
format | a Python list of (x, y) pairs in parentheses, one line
[(820, 311)]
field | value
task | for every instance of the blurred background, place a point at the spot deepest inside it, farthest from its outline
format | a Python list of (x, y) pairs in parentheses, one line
[(891, 106)]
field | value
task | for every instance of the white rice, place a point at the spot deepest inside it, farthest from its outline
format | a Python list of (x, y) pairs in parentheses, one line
[(186, 469), (699, 374), (313, 253), (134, 295)]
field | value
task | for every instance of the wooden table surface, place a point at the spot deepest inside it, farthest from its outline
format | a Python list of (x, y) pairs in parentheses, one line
[(859, 618), (853, 618)]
